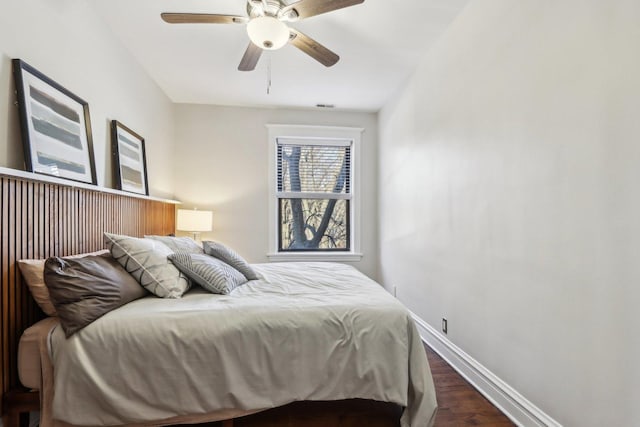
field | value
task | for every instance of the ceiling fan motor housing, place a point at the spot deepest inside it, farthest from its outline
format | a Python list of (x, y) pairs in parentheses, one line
[(260, 8), (276, 8)]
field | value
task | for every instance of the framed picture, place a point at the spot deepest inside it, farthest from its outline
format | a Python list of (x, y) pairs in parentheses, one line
[(129, 159), (55, 127)]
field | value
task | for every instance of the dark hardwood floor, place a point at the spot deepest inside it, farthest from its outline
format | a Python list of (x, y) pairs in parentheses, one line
[(459, 404)]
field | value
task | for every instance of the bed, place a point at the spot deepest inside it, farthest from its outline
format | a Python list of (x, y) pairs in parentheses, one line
[(44, 219), (303, 331)]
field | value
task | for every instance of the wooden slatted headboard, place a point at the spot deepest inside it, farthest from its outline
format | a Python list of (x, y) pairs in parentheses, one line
[(42, 219)]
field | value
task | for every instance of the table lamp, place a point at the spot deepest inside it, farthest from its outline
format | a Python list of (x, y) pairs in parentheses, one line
[(194, 221)]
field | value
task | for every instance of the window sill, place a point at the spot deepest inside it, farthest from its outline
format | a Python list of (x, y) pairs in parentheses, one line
[(314, 256)]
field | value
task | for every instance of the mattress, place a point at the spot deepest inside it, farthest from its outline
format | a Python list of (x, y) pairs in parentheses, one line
[(33, 339), (305, 331)]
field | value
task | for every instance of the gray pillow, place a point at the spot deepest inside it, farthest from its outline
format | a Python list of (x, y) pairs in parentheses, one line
[(179, 244), (231, 257), (146, 260), (84, 289), (211, 273)]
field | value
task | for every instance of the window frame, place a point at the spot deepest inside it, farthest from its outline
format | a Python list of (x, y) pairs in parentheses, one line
[(317, 134)]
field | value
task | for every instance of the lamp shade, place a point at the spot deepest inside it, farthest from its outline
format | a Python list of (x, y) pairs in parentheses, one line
[(267, 32), (194, 220)]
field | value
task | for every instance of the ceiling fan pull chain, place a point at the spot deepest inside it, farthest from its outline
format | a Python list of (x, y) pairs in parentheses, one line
[(268, 74)]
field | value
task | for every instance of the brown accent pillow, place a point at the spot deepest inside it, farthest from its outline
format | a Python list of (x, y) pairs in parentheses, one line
[(33, 274), (83, 289)]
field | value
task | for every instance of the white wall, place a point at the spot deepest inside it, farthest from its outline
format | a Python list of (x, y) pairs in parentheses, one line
[(221, 162), (510, 199), (67, 41)]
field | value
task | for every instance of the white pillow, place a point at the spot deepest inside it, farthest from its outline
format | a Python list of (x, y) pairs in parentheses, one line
[(179, 244), (146, 260)]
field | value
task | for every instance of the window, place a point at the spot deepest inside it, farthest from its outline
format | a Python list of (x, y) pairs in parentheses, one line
[(314, 198), (313, 192)]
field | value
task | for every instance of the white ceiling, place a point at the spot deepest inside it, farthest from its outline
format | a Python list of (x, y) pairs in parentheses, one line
[(379, 42)]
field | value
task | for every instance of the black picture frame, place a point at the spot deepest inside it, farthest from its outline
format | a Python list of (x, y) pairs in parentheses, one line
[(55, 125), (129, 159)]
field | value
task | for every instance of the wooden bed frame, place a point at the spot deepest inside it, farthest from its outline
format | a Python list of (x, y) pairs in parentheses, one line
[(43, 217)]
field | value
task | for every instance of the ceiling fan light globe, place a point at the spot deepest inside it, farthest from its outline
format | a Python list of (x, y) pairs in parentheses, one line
[(268, 32)]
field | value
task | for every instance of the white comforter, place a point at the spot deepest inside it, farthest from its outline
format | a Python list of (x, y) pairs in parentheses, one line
[(306, 331)]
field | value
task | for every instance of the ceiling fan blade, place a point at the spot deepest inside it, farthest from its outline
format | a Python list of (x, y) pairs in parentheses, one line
[(202, 18), (250, 58), (313, 48), (308, 8)]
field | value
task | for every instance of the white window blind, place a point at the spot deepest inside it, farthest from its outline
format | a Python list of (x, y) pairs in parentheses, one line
[(312, 170)]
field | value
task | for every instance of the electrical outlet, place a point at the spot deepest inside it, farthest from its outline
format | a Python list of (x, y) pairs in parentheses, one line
[(444, 325)]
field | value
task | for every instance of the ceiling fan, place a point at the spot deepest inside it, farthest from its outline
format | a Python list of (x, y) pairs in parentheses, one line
[(267, 28)]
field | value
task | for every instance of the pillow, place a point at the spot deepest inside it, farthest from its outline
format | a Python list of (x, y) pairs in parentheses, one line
[(179, 244), (231, 257), (146, 260), (33, 274), (84, 289), (211, 273)]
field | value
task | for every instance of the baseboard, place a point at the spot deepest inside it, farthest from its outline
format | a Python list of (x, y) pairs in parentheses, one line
[(515, 406)]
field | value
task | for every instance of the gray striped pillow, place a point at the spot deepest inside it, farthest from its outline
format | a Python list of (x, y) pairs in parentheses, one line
[(231, 257), (211, 273)]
